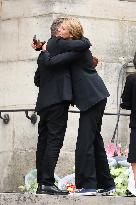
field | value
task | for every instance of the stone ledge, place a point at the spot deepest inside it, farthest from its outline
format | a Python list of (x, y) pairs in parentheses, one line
[(32, 199)]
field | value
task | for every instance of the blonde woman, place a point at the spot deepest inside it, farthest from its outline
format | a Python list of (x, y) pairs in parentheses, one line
[(90, 96)]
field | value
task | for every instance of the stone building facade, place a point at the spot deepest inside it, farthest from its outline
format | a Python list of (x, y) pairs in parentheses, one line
[(111, 27)]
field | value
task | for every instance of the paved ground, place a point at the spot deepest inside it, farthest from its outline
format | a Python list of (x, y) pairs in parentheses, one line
[(32, 199)]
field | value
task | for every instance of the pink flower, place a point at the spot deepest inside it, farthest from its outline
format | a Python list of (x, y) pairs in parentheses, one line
[(110, 150), (119, 150), (113, 150)]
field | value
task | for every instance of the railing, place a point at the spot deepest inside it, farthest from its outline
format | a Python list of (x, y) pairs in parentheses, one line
[(6, 117), (33, 117)]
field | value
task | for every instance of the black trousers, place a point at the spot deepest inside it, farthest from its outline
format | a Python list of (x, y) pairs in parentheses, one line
[(132, 147), (51, 130), (91, 165)]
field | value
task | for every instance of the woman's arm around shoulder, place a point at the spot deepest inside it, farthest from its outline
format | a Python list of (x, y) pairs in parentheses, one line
[(74, 45), (68, 57)]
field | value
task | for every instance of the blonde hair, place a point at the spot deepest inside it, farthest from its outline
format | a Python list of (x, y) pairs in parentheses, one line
[(74, 26)]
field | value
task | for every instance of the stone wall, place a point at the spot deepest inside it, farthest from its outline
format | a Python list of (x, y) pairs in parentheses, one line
[(111, 27)]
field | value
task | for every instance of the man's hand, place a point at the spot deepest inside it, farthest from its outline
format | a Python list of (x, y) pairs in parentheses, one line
[(33, 45), (38, 45)]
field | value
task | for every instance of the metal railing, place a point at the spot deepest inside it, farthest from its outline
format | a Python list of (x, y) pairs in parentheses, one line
[(33, 117)]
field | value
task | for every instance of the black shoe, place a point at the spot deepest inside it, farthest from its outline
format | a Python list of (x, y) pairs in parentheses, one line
[(106, 192), (52, 190)]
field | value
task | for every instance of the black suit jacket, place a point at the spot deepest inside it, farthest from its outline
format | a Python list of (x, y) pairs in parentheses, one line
[(55, 87), (88, 87), (129, 98), (134, 60)]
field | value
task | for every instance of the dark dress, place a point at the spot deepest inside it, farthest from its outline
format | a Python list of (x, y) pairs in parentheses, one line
[(129, 103)]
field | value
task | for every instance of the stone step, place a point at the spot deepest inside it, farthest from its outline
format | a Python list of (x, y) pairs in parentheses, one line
[(32, 199)]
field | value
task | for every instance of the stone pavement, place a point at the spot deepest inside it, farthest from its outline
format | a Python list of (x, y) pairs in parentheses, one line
[(32, 199)]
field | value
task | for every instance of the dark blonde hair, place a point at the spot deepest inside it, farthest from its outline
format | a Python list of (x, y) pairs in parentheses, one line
[(74, 26)]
